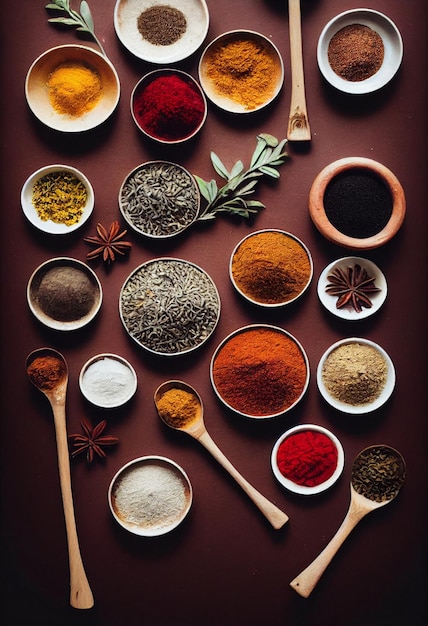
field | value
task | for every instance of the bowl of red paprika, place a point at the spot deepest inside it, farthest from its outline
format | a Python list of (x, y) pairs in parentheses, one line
[(307, 459), (168, 106)]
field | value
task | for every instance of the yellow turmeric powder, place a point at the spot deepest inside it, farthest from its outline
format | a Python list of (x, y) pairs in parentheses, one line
[(244, 71), (177, 407), (74, 88)]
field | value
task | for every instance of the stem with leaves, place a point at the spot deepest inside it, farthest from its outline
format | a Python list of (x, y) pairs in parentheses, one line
[(233, 197), (83, 22)]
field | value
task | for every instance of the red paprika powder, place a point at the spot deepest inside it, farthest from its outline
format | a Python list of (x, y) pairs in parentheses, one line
[(169, 108), (307, 458)]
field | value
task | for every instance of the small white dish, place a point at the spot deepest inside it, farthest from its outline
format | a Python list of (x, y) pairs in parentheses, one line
[(393, 50), (348, 312), (108, 380), (363, 408), (127, 12), (49, 226), (304, 489)]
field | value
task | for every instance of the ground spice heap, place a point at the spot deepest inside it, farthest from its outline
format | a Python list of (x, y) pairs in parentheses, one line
[(178, 407), (378, 473), (66, 294), (271, 267), (307, 458), (59, 197), (355, 373), (161, 25), (46, 372), (74, 88), (244, 71), (356, 52), (260, 372)]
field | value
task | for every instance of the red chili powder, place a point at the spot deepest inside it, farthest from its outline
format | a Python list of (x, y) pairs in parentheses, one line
[(307, 458), (169, 108)]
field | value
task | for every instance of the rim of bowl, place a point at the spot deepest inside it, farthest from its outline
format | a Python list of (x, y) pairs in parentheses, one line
[(347, 313), (393, 47), (49, 226), (360, 409), (304, 489), (146, 80), (326, 228), (223, 102), (129, 220), (274, 305), (173, 467), (45, 319), (41, 107), (242, 330), (183, 48), (99, 357)]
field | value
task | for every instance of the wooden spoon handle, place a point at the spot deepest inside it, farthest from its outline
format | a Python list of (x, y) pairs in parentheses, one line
[(80, 592), (298, 123), (275, 516)]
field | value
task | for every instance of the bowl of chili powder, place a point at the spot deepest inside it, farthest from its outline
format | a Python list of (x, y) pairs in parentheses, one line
[(307, 459)]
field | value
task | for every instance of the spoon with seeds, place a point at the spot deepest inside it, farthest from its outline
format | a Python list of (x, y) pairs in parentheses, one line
[(48, 371), (186, 414), (378, 474)]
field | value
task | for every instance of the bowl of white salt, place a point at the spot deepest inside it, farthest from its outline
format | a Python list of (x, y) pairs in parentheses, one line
[(108, 380), (150, 496)]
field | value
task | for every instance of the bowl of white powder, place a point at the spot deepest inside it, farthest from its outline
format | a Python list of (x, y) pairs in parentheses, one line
[(150, 496), (108, 380)]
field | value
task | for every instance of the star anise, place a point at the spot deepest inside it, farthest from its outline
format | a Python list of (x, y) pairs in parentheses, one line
[(353, 286), (108, 243), (92, 440)]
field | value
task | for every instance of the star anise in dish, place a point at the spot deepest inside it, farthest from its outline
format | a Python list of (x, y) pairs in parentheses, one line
[(108, 243), (353, 286), (92, 441)]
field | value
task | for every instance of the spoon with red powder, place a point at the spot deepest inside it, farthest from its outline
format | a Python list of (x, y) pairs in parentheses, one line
[(180, 407), (48, 371)]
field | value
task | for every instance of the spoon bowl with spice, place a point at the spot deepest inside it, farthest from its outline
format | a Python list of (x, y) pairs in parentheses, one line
[(378, 474), (180, 407), (47, 370)]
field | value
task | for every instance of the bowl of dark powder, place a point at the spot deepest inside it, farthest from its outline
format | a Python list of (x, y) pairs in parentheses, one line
[(64, 294)]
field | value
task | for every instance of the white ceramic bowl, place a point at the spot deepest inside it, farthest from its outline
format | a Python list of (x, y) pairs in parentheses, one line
[(348, 312), (126, 13), (221, 99), (304, 489), (140, 508), (37, 94), (48, 226), (392, 42), (37, 298), (116, 380), (357, 409)]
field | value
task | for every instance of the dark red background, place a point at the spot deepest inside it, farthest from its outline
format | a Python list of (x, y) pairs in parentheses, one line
[(225, 565)]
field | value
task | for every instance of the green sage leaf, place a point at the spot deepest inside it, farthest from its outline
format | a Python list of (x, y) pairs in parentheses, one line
[(219, 167), (269, 171), (85, 12)]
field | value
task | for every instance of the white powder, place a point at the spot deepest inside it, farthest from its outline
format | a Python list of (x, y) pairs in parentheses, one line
[(108, 382), (150, 496)]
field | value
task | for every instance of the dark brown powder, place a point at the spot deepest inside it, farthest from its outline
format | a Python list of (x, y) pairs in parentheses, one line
[(66, 294), (356, 52), (161, 25)]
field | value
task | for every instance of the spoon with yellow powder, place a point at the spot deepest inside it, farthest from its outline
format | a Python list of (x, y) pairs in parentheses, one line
[(180, 407), (48, 371)]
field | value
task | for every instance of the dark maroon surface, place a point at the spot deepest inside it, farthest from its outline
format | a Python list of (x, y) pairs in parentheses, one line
[(225, 565)]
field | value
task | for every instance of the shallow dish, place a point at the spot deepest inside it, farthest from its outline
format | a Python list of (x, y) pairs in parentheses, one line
[(361, 379), (127, 12), (270, 268), (248, 98), (356, 165), (260, 371), (64, 294), (169, 306), (302, 488), (49, 226), (37, 93), (393, 50), (108, 380), (150, 496), (348, 312)]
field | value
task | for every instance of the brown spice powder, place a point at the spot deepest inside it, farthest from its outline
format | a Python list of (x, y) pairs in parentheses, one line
[(356, 52)]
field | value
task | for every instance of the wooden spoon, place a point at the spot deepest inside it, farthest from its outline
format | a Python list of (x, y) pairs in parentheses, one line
[(298, 123), (359, 506), (80, 593), (196, 429)]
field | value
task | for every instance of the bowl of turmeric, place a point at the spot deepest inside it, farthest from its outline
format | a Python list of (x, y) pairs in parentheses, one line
[(72, 88)]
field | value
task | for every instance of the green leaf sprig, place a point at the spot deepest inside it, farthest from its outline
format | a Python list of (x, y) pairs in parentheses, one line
[(82, 22), (233, 197)]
